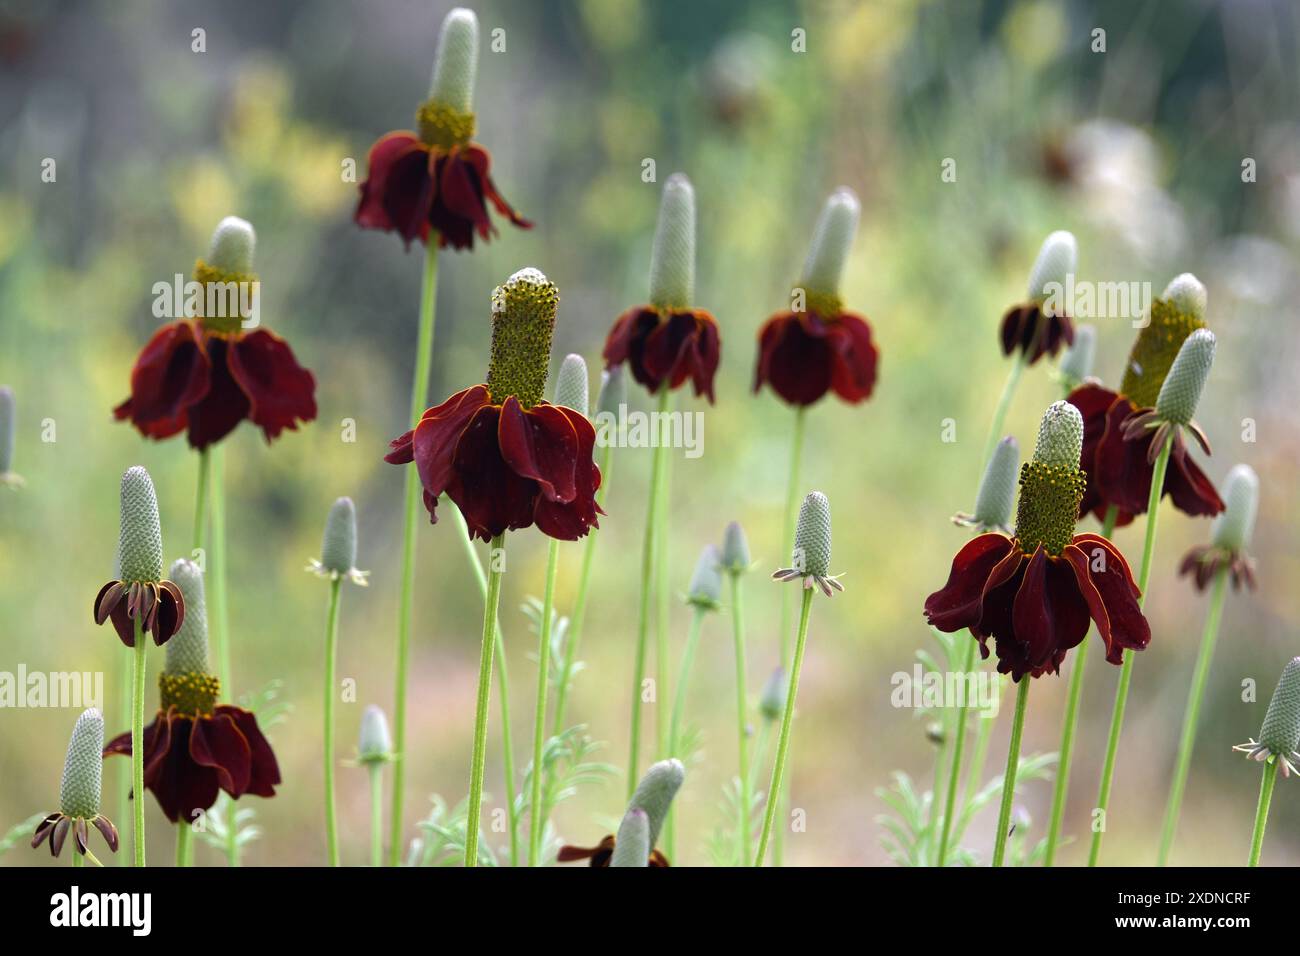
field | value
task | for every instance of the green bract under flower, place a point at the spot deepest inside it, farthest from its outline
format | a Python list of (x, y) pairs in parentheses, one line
[(523, 321)]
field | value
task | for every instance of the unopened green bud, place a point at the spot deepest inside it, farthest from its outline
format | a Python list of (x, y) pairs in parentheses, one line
[(735, 549), (139, 543), (654, 794), (523, 321), (84, 767), (232, 247), (187, 651), (375, 744), (998, 486), (812, 536), (338, 550), (1181, 392), (771, 702), (632, 845), (1233, 528), (1060, 436), (571, 384), (1281, 731), (613, 391), (1076, 364), (706, 583), (836, 227), (455, 64), (672, 260), (1057, 258)]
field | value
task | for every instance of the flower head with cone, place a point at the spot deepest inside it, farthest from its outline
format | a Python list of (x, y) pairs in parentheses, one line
[(80, 792), (1041, 325)]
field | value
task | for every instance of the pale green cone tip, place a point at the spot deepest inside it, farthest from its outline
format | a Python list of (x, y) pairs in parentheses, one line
[(571, 384), (836, 228), (84, 767), (187, 651), (1233, 528), (375, 744), (632, 845), (1076, 363), (1281, 730), (1181, 391), (998, 486), (338, 549), (706, 582), (7, 429), (1060, 436), (654, 794), (233, 244), (139, 543), (771, 702), (735, 549), (1188, 295), (672, 260), (455, 64), (812, 536), (1057, 258), (613, 391)]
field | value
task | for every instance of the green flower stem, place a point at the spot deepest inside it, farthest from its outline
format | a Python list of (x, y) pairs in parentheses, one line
[(127, 771), (954, 775), (331, 663), (536, 812), (217, 606), (783, 746), (679, 709), (1004, 403), (1070, 724), (1190, 719), (474, 809), (201, 498), (137, 739), (579, 616), (77, 861), (657, 468), (376, 814), (1261, 810), (410, 521), (1009, 779), (503, 688), (183, 844), (663, 610), (1126, 671), (742, 729)]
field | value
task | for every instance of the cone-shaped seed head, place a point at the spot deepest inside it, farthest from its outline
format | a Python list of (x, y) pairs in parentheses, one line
[(654, 794), (187, 651), (1281, 730), (1052, 484), (613, 391), (1173, 317), (455, 64), (771, 703), (83, 769), (571, 384), (1058, 257), (706, 582), (375, 742), (998, 486), (7, 429), (338, 549), (632, 845), (1233, 528), (812, 536), (1188, 295), (139, 543), (672, 260), (523, 321), (836, 229), (735, 549), (1076, 364), (233, 244), (1181, 392), (1060, 436)]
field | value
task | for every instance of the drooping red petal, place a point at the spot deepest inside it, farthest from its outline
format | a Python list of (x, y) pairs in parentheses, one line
[(264, 775), (1119, 592), (398, 191), (540, 444), (958, 603), (1191, 491), (170, 375), (217, 742), (281, 392), (626, 343), (856, 358), (1123, 472), (460, 197), (223, 406), (681, 345), (1093, 403), (432, 443), (571, 520), (171, 612), (481, 160), (795, 358), (491, 496)]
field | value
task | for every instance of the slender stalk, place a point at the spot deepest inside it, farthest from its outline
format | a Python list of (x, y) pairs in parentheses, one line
[(663, 610), (77, 861), (1126, 671), (982, 739), (201, 498), (1004, 403), (183, 844), (954, 775), (643, 610), (410, 521), (742, 727), (1009, 778), (1070, 724), (331, 663), (579, 616), (137, 740), (536, 812), (787, 545), (1261, 810), (783, 746), (217, 606), (679, 709), (478, 762), (1191, 718), (127, 772), (376, 814)]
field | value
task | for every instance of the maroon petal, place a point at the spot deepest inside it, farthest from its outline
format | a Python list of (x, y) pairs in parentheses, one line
[(1191, 491), (264, 773), (795, 358), (540, 444), (216, 742), (1031, 615), (1123, 472), (432, 443), (60, 834), (958, 603), (223, 406), (398, 191), (571, 520), (856, 358), (1119, 594), (107, 599), (491, 496), (105, 826), (460, 193), (280, 391), (44, 829), (170, 375)]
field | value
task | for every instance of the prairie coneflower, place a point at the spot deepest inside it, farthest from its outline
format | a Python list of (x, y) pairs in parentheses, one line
[(1278, 747), (79, 794), (8, 478), (646, 812), (436, 179)]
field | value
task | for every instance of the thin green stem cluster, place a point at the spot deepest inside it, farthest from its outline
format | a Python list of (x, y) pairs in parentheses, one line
[(496, 565), (742, 723), (137, 740), (536, 812), (1013, 768), (331, 663)]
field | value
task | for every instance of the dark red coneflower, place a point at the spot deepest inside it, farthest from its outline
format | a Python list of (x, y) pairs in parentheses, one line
[(803, 353), (437, 179), (206, 374), (1041, 324), (1035, 592), (506, 458)]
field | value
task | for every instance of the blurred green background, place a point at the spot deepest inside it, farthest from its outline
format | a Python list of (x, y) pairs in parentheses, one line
[(1138, 150)]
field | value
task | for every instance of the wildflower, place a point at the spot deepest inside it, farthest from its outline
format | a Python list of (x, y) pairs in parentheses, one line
[(812, 547), (1034, 592), (1279, 737), (1040, 325), (436, 178), (506, 458), (997, 490), (1230, 535), (79, 794), (804, 353), (652, 799), (204, 375), (140, 594), (338, 550), (195, 746), (668, 341)]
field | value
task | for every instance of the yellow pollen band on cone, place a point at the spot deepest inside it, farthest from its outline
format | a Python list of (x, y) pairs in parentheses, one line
[(191, 692), (440, 125), (228, 292)]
